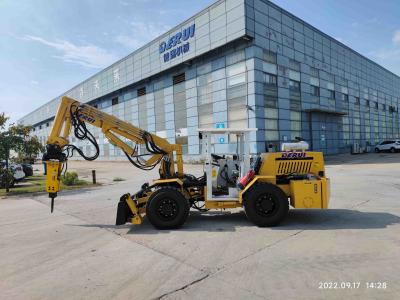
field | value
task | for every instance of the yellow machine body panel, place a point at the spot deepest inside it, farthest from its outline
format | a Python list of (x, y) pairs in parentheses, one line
[(306, 194), (309, 193), (277, 168), (326, 192), (53, 170), (283, 163)]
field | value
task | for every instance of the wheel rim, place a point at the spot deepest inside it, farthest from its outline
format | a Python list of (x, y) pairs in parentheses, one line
[(167, 209), (266, 205)]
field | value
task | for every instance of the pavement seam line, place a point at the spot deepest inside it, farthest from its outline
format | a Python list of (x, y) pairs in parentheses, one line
[(360, 204), (121, 236), (184, 287), (156, 250), (228, 265), (224, 267)]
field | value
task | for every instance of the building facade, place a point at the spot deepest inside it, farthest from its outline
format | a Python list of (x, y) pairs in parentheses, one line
[(242, 63)]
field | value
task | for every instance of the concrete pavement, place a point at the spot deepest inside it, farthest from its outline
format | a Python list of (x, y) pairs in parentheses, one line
[(78, 253)]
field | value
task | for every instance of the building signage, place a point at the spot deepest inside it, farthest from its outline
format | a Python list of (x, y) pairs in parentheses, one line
[(177, 44)]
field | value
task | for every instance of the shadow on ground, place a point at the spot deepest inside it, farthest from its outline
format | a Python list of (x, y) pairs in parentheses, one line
[(215, 221)]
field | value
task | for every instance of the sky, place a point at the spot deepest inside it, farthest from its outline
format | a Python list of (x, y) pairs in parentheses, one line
[(47, 47)]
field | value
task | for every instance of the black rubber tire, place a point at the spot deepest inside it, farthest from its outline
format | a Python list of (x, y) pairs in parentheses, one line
[(392, 150), (173, 214), (267, 197), (377, 150)]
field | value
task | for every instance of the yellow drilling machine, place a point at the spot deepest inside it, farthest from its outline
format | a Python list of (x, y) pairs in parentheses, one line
[(264, 185)]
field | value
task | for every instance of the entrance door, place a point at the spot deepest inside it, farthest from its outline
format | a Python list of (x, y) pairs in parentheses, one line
[(325, 132)]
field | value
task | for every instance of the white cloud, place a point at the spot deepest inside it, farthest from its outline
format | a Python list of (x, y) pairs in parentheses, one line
[(34, 82), (128, 41), (88, 55), (396, 37), (387, 54), (141, 33)]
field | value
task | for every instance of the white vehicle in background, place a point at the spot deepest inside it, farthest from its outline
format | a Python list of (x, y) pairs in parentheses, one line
[(389, 145), (18, 172), (16, 169)]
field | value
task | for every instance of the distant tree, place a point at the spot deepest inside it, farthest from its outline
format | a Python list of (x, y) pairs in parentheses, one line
[(16, 137), (12, 139), (3, 120), (31, 149)]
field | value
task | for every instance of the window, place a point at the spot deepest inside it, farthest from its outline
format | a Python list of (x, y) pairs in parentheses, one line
[(237, 79), (180, 111), (357, 101), (315, 91), (236, 74), (142, 109), (159, 111), (235, 57), (376, 105), (332, 94), (345, 98), (270, 79), (236, 69), (178, 78), (40, 126), (294, 85), (105, 103), (314, 81), (94, 105), (141, 91), (271, 107), (270, 57), (314, 72), (294, 65), (128, 96), (294, 75), (47, 124), (236, 95), (114, 101), (295, 124), (367, 103), (383, 107), (204, 69)]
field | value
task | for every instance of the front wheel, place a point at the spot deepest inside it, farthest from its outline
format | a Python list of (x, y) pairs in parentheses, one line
[(266, 204), (377, 150), (167, 208), (392, 150)]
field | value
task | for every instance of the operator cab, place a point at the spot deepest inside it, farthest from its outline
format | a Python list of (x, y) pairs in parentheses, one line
[(224, 171)]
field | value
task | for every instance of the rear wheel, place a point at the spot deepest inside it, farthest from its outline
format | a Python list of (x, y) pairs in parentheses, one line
[(167, 208), (377, 150), (266, 204)]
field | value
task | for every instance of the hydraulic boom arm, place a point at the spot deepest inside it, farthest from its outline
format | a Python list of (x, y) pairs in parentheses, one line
[(73, 115)]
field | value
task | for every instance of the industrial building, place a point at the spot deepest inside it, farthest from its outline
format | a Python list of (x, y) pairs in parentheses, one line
[(242, 63)]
